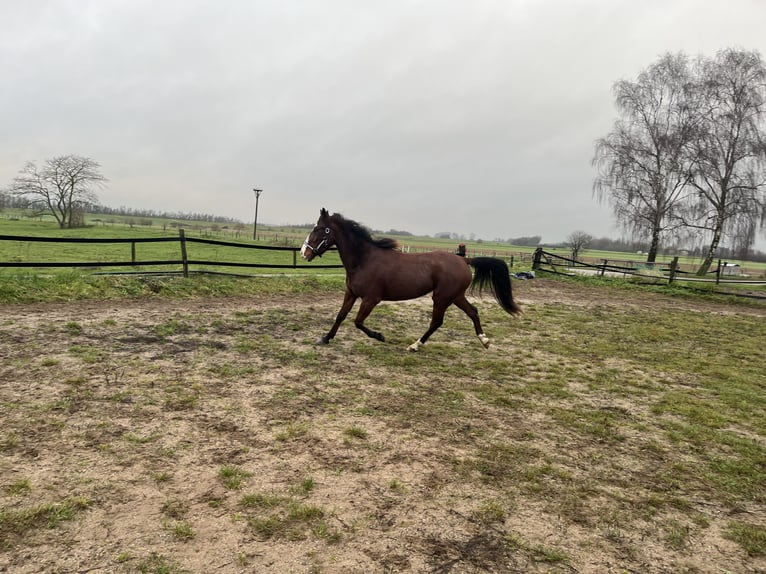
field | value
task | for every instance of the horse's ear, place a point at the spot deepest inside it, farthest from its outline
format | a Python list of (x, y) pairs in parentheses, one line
[(323, 213)]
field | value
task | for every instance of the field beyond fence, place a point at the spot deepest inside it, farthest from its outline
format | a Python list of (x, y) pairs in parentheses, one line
[(147, 252), (165, 255), (658, 273)]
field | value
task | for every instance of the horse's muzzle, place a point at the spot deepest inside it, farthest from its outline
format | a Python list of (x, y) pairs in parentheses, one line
[(308, 252)]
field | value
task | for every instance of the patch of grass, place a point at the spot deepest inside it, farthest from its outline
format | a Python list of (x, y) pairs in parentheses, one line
[(750, 537), (179, 397), (601, 424), (180, 530), (139, 439), (396, 486), (292, 522), (285, 517), (161, 477), (9, 441), (355, 432), (233, 477), (676, 535), (260, 500), (19, 487), (499, 463), (306, 486), (73, 328), (18, 523), (88, 354), (490, 512), (245, 344), (171, 326), (73, 285), (158, 564), (175, 508), (294, 430), (540, 552)]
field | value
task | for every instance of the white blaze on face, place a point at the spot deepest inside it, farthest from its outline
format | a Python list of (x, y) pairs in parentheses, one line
[(304, 248)]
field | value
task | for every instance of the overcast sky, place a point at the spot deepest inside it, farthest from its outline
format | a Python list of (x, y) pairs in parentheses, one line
[(470, 116)]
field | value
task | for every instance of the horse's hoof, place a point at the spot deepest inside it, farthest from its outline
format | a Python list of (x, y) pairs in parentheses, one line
[(323, 341), (484, 340), (415, 347), (380, 337)]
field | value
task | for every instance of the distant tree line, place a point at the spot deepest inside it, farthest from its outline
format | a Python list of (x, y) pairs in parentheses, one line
[(531, 241), (140, 216), (151, 213)]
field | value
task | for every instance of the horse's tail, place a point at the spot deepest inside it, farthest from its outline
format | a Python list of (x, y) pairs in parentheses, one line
[(493, 273)]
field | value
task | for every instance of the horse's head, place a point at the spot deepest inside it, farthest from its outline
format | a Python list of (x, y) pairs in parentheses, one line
[(321, 238)]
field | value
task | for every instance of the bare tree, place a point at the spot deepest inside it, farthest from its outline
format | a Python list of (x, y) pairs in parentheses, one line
[(577, 241), (642, 164), (729, 150), (63, 186)]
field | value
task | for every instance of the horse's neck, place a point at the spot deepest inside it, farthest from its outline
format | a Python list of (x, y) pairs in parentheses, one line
[(353, 258)]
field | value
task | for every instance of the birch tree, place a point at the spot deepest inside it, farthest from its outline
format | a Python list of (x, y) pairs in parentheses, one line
[(729, 151), (642, 163)]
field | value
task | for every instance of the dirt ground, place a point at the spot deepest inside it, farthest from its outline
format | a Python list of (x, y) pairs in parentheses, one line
[(167, 435)]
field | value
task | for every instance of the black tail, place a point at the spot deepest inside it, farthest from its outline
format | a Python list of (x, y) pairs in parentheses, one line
[(493, 273)]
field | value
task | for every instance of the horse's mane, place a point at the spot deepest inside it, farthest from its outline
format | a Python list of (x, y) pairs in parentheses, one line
[(358, 232)]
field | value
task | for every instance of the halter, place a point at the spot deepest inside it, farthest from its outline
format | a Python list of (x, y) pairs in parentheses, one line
[(307, 245)]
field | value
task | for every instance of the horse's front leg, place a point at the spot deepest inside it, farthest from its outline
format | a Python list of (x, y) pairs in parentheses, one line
[(364, 311), (348, 301)]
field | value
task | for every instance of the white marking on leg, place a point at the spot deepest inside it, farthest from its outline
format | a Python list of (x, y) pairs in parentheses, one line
[(484, 340), (415, 346)]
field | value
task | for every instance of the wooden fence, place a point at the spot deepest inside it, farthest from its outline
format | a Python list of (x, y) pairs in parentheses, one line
[(660, 273), (184, 261)]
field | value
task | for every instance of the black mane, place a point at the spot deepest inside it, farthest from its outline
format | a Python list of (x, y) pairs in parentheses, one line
[(358, 232)]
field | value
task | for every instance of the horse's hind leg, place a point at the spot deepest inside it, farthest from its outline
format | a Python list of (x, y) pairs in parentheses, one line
[(473, 313), (437, 318), (364, 311), (348, 301)]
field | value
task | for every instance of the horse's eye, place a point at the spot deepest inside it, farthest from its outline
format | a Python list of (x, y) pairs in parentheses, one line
[(326, 230)]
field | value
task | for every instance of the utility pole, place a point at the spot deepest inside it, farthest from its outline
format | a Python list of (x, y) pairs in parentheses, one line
[(255, 222)]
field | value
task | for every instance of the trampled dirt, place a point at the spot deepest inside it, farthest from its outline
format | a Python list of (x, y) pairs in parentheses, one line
[(211, 435)]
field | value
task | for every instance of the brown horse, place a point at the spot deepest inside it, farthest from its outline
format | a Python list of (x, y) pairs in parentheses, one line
[(377, 271)]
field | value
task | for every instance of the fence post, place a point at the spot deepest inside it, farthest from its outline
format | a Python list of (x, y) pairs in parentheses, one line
[(184, 258), (603, 266), (673, 270), (718, 273), (295, 259), (537, 257), (511, 265), (133, 253)]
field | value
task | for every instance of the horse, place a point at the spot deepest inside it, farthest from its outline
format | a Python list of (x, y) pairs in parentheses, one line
[(376, 270)]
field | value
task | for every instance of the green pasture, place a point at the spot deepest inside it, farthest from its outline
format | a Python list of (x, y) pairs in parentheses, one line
[(108, 227), (123, 227), (45, 252)]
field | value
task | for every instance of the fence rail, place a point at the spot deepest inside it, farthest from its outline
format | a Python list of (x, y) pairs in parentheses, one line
[(663, 272), (183, 260)]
